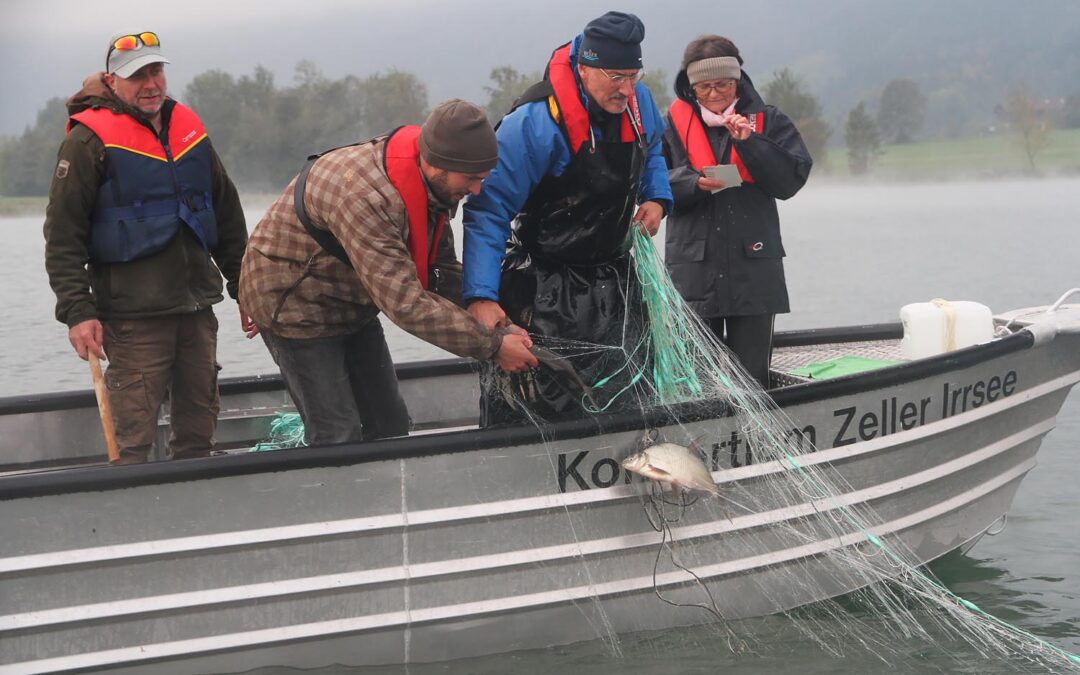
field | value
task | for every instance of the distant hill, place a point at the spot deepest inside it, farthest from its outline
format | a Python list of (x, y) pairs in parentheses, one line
[(963, 53)]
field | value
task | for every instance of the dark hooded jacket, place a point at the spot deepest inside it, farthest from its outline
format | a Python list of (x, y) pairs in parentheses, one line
[(724, 250), (181, 278)]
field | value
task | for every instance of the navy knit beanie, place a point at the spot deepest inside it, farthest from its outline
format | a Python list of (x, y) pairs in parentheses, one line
[(613, 41)]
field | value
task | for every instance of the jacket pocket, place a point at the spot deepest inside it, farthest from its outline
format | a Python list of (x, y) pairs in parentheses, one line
[(685, 262), (685, 251), (446, 280), (130, 406)]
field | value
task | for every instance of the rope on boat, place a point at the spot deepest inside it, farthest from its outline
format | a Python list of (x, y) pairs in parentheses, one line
[(286, 431), (662, 524)]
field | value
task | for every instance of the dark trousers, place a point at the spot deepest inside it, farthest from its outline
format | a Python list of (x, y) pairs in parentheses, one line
[(750, 339), (344, 387), (177, 353)]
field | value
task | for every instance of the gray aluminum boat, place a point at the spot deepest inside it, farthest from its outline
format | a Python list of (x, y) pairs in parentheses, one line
[(454, 541)]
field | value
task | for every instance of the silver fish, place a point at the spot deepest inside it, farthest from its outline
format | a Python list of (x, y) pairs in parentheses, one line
[(675, 464)]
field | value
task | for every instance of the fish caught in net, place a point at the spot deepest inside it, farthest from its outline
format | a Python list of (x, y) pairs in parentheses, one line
[(810, 525), (798, 533)]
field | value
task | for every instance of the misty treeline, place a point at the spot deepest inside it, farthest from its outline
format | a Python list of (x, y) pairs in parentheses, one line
[(264, 131)]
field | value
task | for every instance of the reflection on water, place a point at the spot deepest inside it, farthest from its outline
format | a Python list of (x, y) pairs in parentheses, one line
[(992, 588)]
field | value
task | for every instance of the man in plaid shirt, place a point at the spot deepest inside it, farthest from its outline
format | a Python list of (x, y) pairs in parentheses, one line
[(375, 239)]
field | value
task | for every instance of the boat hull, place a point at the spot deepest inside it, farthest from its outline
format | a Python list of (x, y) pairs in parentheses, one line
[(466, 543)]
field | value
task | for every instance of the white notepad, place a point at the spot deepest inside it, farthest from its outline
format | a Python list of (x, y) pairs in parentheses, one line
[(728, 173)]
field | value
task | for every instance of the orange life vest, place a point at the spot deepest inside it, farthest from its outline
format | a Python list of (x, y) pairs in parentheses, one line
[(691, 131), (123, 132), (152, 186)]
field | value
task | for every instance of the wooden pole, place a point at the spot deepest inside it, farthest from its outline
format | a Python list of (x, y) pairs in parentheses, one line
[(104, 410)]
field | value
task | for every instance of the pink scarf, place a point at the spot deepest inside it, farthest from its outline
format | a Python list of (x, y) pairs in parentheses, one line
[(712, 119)]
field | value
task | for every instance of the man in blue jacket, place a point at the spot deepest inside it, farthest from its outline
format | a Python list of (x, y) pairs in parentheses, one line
[(580, 162)]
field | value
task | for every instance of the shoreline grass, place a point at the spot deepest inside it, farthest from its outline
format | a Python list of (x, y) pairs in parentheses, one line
[(982, 157)]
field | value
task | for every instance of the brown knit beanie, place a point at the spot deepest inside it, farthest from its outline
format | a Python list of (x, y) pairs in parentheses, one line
[(458, 137)]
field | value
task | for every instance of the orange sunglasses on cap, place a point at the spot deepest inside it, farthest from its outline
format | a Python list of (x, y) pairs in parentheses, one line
[(126, 43)]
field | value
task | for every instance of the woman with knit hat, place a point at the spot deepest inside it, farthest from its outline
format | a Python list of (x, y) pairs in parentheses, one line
[(724, 250)]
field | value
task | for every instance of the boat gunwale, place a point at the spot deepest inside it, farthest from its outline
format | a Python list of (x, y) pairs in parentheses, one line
[(413, 370), (103, 477)]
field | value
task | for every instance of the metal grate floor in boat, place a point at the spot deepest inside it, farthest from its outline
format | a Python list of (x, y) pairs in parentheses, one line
[(787, 359)]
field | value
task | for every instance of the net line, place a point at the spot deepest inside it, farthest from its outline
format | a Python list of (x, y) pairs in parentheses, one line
[(689, 364)]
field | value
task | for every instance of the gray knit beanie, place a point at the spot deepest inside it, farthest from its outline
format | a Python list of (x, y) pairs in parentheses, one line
[(715, 68), (458, 137)]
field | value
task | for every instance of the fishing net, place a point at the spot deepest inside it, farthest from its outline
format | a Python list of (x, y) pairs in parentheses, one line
[(806, 536), (809, 535), (286, 431)]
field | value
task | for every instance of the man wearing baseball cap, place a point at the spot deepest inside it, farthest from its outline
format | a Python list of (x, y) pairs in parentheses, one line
[(364, 229), (580, 163), (141, 224)]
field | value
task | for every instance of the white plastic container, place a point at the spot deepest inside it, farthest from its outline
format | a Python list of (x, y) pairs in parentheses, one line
[(940, 326)]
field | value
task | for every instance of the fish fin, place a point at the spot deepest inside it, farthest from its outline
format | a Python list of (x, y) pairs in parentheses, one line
[(723, 505), (694, 446), (657, 470), (588, 393), (697, 452)]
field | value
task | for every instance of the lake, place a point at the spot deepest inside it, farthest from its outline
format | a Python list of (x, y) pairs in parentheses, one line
[(857, 253)]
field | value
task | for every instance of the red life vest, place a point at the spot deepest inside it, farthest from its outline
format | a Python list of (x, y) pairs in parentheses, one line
[(690, 130), (568, 109), (401, 162)]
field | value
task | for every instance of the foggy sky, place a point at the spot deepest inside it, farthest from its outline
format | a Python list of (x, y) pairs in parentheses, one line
[(844, 49)]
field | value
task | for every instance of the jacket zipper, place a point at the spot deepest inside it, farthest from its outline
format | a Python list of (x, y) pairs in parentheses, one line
[(176, 190)]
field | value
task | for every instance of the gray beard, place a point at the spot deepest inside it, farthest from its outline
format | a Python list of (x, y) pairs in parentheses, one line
[(135, 112)]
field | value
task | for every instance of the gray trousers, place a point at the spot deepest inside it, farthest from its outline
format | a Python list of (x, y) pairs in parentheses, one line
[(344, 386)]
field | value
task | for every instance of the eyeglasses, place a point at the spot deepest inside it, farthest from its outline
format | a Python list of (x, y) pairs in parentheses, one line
[(618, 78), (127, 43), (721, 86)]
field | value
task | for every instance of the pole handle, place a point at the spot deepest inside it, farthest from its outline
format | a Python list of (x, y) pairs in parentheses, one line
[(104, 410)]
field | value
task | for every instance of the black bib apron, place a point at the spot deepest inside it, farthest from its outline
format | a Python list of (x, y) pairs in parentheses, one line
[(568, 276)]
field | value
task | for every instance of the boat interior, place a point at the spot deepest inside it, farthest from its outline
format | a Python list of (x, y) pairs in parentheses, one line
[(63, 430)]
